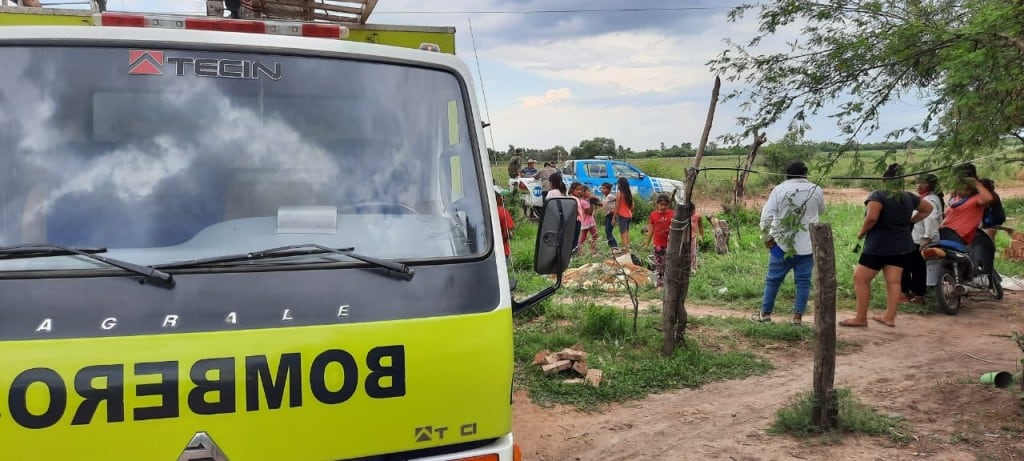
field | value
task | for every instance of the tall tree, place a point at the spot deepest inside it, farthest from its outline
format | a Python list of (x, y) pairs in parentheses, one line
[(853, 57), (590, 148)]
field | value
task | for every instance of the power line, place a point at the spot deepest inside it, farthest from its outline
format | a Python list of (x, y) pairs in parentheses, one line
[(482, 91), (562, 11)]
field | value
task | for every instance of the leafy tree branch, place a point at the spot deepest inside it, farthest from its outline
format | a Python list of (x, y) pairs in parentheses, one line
[(851, 58)]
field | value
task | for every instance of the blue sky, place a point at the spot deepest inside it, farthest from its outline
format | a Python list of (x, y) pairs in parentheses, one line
[(559, 78)]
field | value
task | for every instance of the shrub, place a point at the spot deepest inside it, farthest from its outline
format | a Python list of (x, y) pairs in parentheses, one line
[(642, 209), (602, 322)]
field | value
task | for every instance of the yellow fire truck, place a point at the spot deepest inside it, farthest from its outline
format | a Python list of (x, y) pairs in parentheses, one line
[(236, 239)]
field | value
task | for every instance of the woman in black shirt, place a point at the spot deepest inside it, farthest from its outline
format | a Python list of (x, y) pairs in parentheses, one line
[(888, 244)]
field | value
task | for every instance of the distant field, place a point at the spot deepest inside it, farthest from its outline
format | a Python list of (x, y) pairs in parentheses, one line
[(717, 184)]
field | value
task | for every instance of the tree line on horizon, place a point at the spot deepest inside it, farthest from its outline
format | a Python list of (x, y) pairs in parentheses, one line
[(604, 146)]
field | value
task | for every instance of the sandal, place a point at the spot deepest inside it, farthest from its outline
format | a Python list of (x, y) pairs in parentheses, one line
[(851, 324), (881, 320), (760, 318)]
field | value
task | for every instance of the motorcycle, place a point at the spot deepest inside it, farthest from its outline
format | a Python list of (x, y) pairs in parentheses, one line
[(957, 273)]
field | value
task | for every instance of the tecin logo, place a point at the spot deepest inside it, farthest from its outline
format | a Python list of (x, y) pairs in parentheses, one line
[(143, 62), (152, 62)]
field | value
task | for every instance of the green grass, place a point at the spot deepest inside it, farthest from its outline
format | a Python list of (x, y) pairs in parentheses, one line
[(854, 417), (631, 362), (759, 333)]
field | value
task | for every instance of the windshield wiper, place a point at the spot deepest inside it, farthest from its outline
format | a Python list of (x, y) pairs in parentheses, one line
[(294, 250), (36, 250)]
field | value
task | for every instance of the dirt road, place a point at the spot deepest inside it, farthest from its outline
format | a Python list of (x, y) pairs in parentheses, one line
[(926, 370)]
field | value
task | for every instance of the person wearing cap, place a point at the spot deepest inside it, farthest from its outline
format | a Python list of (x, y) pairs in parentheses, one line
[(789, 248), (530, 170), (543, 175)]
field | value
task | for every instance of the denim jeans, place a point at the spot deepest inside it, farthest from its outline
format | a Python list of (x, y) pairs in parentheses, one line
[(609, 229), (778, 267)]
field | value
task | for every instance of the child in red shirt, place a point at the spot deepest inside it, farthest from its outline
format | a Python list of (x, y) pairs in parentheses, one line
[(659, 223), (505, 221)]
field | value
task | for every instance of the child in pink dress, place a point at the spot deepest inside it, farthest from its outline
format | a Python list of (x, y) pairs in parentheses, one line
[(588, 226)]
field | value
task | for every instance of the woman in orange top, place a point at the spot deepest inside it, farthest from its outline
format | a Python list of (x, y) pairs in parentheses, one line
[(624, 210), (963, 216)]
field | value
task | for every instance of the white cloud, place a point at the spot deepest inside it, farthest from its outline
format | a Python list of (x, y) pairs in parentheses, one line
[(567, 124), (550, 97), (625, 62)]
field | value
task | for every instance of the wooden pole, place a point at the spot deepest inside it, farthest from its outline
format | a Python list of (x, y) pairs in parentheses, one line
[(677, 264), (825, 413)]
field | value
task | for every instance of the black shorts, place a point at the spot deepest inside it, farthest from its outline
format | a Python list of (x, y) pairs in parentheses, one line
[(877, 262)]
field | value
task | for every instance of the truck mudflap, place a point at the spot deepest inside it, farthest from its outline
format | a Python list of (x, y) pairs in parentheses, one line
[(318, 392)]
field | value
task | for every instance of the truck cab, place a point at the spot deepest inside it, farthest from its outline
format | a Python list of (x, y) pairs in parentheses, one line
[(222, 245), (595, 172)]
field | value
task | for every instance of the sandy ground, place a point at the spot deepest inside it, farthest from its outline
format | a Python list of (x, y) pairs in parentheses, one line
[(926, 370)]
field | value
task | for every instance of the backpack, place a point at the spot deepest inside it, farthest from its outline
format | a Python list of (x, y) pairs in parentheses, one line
[(994, 214)]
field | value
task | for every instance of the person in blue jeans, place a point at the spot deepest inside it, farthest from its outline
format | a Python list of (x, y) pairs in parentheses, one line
[(791, 208)]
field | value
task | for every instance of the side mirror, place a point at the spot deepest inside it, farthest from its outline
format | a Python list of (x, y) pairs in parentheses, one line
[(553, 249)]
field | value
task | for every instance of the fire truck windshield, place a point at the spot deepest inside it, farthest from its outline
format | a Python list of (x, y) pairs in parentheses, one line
[(185, 154)]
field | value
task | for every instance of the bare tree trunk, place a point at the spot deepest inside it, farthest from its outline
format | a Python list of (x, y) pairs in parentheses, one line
[(677, 264), (825, 413), (741, 184)]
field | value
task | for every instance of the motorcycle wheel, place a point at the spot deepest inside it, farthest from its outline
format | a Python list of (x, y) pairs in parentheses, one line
[(946, 293), (995, 285)]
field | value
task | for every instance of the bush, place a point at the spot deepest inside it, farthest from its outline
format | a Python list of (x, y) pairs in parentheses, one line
[(642, 209), (775, 160), (602, 322)]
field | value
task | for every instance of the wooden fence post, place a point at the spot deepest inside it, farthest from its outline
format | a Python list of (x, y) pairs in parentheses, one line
[(825, 413), (677, 257)]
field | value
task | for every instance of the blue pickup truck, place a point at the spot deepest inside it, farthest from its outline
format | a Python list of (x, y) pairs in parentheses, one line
[(593, 173)]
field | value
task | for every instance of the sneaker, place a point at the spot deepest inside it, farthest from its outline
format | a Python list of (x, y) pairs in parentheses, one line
[(761, 318), (797, 319)]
